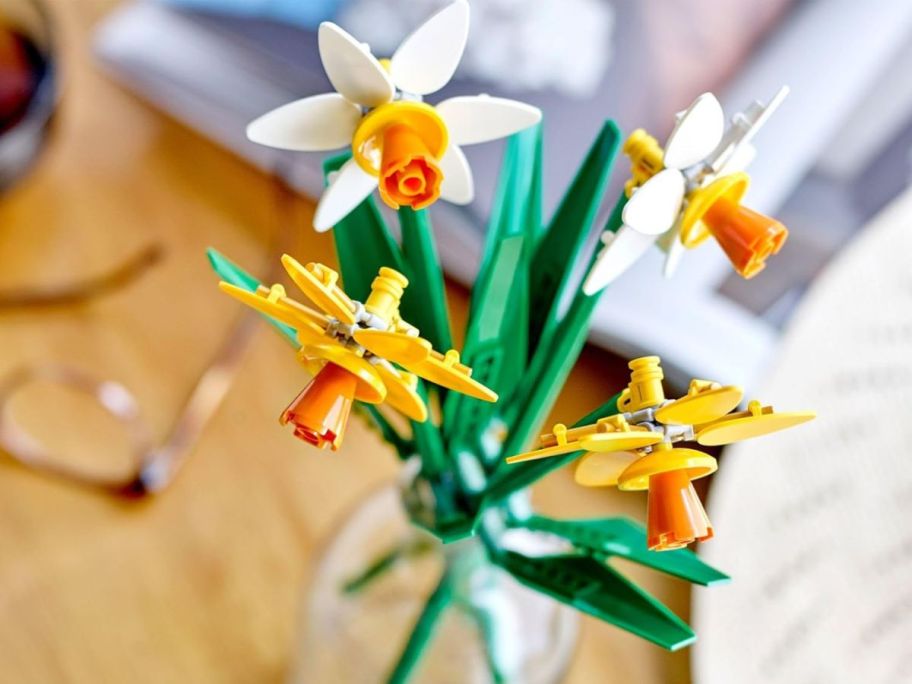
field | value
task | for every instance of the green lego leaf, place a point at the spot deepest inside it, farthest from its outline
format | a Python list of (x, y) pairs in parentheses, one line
[(496, 344), (514, 218), (363, 242), (533, 207), (424, 304), (517, 203), (567, 233), (594, 587), (485, 349), (548, 372), (562, 336), (508, 479), (231, 273), (554, 359), (624, 538)]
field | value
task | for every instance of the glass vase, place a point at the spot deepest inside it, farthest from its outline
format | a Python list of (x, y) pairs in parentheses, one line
[(372, 584)]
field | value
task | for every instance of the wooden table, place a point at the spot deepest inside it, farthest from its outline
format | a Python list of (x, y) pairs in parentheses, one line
[(202, 583)]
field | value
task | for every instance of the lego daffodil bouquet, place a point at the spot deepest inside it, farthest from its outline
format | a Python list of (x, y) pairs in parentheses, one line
[(375, 336)]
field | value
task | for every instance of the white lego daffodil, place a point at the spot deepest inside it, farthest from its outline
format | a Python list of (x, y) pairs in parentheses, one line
[(674, 190), (407, 148)]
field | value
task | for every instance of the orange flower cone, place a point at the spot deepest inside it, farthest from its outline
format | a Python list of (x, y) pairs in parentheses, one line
[(409, 174), (320, 412), (747, 237), (675, 516)]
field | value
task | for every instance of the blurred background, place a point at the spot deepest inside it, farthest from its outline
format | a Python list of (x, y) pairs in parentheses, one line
[(122, 156)]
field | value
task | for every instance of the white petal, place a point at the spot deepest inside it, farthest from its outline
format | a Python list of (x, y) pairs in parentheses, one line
[(620, 252), (478, 118), (739, 160), (350, 186), (696, 134), (673, 256), (427, 59), (321, 122), (654, 206), (352, 69), (757, 113), (735, 151), (458, 186)]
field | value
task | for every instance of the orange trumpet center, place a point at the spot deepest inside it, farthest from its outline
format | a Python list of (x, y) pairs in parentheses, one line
[(747, 237), (409, 174), (320, 412), (675, 516)]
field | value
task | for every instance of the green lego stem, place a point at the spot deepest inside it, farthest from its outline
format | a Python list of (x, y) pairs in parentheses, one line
[(429, 442), (423, 631), (509, 479), (363, 243), (404, 447), (424, 304), (383, 563)]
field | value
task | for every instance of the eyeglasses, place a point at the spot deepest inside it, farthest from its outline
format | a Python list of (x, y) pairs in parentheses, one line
[(31, 297), (150, 467)]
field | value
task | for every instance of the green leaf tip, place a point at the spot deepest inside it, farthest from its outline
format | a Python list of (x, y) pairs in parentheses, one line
[(233, 274), (594, 587), (568, 231), (229, 271)]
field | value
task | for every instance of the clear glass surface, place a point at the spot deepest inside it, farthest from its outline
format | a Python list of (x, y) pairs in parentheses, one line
[(493, 625)]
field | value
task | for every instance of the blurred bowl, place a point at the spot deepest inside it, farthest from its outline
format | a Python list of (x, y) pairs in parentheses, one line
[(28, 86)]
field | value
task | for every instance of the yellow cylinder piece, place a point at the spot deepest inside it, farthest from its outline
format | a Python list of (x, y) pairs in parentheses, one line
[(645, 389), (645, 156), (731, 187), (421, 118), (386, 294)]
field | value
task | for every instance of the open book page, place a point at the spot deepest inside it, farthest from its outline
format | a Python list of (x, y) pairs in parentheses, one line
[(814, 523)]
